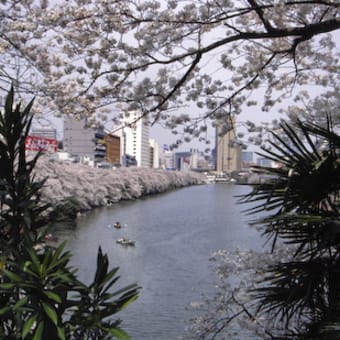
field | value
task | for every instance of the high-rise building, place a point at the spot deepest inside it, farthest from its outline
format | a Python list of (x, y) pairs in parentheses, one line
[(154, 154), (135, 134), (228, 151), (46, 132), (78, 138)]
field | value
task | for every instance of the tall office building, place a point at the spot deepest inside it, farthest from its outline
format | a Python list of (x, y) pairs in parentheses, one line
[(45, 131), (78, 139), (154, 154), (135, 135), (228, 151)]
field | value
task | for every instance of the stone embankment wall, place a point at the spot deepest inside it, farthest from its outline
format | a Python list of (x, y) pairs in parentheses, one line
[(94, 187)]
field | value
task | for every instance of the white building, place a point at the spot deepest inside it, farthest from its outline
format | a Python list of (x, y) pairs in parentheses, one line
[(135, 135), (154, 154)]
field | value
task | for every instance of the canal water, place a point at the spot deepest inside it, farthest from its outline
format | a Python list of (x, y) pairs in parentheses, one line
[(175, 234)]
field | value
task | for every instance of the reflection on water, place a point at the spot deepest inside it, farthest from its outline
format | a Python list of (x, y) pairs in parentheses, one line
[(175, 234)]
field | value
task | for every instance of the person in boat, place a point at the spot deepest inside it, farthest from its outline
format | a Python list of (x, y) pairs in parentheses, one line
[(117, 225), (125, 241)]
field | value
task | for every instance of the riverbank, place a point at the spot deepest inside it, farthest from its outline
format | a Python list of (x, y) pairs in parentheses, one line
[(78, 187)]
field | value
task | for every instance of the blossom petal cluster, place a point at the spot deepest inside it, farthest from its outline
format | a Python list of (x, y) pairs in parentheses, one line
[(90, 58)]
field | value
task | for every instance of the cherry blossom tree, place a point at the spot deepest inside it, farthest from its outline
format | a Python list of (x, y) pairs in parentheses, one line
[(316, 109), (184, 63)]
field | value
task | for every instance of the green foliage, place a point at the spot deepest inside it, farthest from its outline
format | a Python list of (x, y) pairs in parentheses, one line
[(301, 202), (52, 302), (97, 304), (21, 209), (42, 281), (40, 295)]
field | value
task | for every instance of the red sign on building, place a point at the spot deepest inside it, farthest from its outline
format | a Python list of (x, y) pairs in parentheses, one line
[(35, 143)]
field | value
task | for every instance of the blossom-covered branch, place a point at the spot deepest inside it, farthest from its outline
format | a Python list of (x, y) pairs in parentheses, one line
[(88, 57)]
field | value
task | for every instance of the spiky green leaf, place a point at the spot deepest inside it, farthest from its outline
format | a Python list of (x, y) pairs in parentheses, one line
[(39, 331), (50, 312), (29, 324), (53, 296)]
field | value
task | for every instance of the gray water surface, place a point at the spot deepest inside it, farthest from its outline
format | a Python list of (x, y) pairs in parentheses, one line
[(175, 235)]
